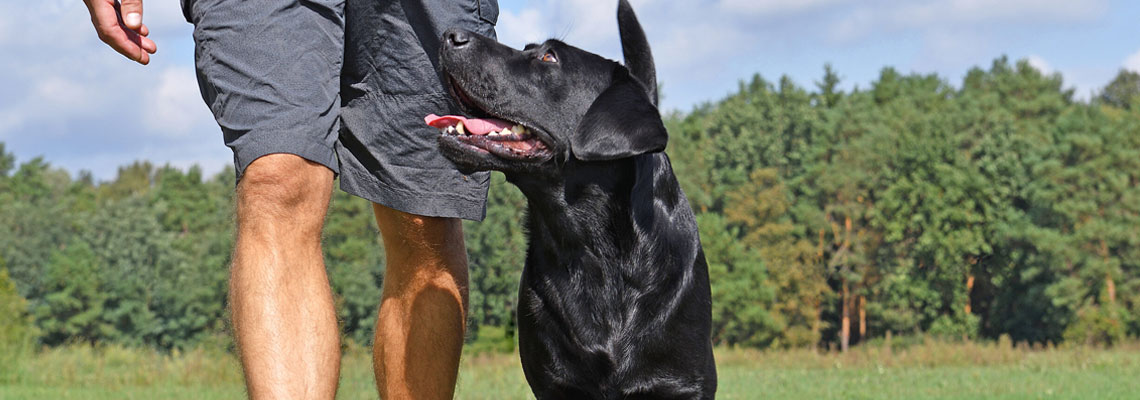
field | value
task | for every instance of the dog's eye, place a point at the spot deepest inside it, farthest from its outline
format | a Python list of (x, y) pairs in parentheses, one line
[(549, 57)]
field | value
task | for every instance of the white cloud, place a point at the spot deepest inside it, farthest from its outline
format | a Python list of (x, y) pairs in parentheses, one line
[(686, 51), (519, 29), (7, 25), (945, 47), (583, 23), (973, 11), (174, 107), (896, 15), (9, 119), (61, 93), (1055, 10), (857, 24), (1040, 64), (1133, 62), (41, 23), (589, 22), (772, 7), (49, 98)]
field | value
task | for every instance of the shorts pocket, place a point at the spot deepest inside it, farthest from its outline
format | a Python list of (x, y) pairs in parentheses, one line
[(489, 11)]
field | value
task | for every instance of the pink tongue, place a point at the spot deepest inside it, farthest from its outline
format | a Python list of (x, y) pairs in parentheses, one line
[(474, 126)]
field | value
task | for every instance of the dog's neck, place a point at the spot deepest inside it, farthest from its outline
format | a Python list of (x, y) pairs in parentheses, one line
[(615, 232), (589, 202)]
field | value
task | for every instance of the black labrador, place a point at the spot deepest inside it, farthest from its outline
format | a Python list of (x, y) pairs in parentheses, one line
[(614, 301)]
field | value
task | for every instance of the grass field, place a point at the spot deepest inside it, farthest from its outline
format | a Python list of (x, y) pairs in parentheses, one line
[(927, 371)]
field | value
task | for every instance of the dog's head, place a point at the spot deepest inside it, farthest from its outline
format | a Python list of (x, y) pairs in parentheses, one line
[(536, 108)]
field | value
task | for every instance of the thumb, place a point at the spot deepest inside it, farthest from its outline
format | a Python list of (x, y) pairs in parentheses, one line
[(131, 12)]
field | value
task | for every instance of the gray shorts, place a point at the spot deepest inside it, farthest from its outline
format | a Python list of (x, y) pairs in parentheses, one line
[(343, 83)]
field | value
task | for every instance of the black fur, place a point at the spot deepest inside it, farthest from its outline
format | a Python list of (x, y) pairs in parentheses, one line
[(614, 301)]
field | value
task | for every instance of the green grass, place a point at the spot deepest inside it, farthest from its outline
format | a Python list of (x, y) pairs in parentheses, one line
[(927, 371)]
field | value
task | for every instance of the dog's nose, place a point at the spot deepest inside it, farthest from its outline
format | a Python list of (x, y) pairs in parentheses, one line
[(457, 37)]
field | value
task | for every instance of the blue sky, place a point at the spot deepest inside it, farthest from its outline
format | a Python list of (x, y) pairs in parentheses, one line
[(66, 97)]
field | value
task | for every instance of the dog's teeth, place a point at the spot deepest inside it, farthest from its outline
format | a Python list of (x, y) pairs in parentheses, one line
[(459, 127), (518, 129)]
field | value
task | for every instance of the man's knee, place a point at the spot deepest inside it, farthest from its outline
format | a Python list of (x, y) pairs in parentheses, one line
[(418, 229), (421, 239), (284, 186)]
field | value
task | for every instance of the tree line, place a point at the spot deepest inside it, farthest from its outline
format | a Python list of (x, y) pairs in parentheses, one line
[(1000, 206)]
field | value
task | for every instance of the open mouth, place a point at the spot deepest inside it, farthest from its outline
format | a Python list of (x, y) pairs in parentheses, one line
[(499, 137)]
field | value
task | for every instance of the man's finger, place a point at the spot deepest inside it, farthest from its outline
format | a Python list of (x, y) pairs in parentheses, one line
[(112, 30), (115, 34), (132, 13), (143, 42), (105, 17), (131, 45)]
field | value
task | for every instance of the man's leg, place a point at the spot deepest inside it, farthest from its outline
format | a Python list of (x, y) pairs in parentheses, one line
[(419, 333), (283, 316)]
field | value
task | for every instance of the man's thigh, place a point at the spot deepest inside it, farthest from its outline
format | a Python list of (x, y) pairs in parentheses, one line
[(270, 72)]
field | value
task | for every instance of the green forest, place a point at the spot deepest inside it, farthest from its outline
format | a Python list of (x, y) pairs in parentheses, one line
[(1001, 205)]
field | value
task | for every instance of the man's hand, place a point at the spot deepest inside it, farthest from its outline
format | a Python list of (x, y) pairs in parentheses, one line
[(120, 26)]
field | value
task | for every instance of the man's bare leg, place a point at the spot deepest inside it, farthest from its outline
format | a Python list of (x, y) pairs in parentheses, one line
[(419, 332), (283, 316)]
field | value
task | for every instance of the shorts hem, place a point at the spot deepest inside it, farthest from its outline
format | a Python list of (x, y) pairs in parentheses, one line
[(428, 204), (311, 150)]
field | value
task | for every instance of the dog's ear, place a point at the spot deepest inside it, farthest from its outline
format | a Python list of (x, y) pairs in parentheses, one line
[(621, 123), (635, 49)]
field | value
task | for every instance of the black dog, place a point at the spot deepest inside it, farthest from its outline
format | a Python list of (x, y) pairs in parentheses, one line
[(614, 301)]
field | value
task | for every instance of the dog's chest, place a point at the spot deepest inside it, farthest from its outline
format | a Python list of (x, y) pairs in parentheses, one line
[(599, 296)]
